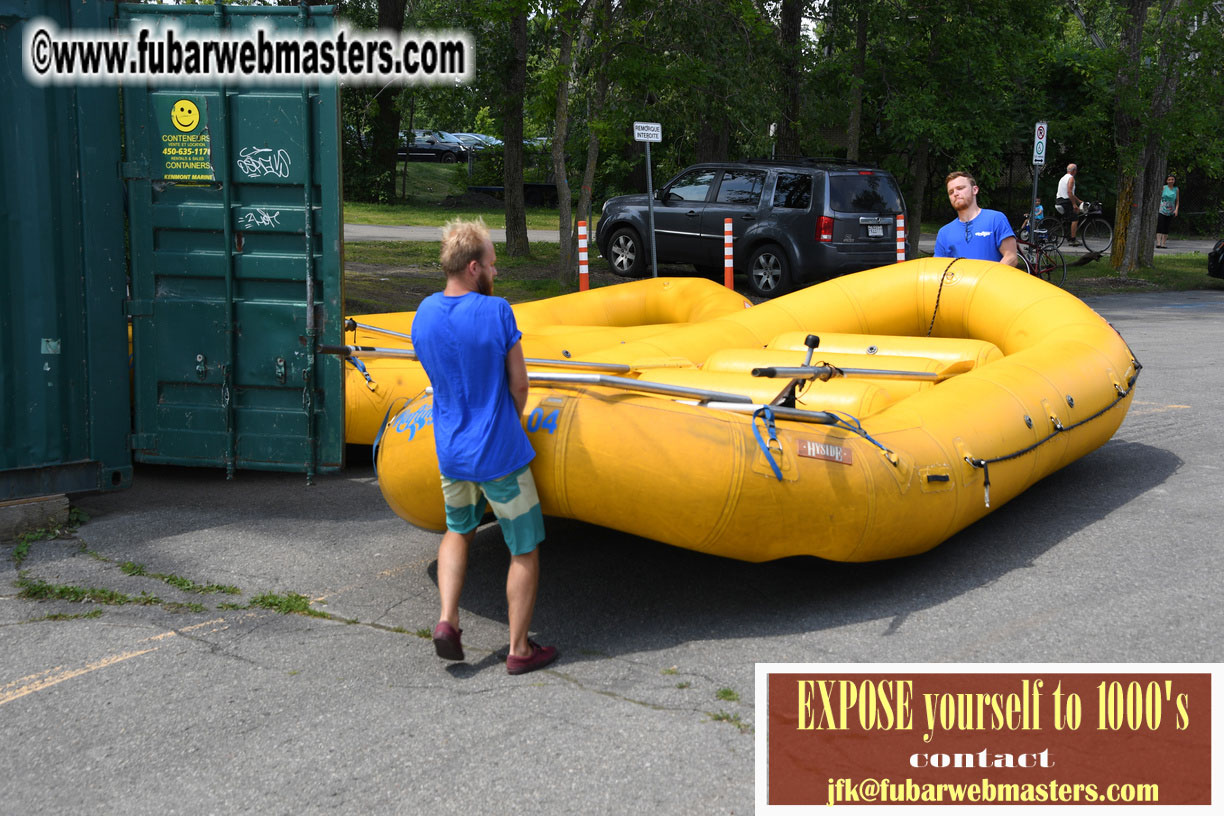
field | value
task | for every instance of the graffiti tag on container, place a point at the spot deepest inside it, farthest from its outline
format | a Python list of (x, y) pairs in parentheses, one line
[(414, 420), (257, 162), (260, 218)]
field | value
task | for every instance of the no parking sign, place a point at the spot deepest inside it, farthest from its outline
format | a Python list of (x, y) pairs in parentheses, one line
[(1039, 143)]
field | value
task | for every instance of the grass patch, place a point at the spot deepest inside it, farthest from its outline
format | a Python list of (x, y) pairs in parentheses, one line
[(727, 695), (395, 276), (424, 186), (59, 616), (430, 214), (733, 719), (178, 582), (76, 517), (288, 604), (1169, 273), (38, 590)]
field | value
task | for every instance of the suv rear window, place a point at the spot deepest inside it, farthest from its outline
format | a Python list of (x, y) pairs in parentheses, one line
[(864, 193), (793, 191)]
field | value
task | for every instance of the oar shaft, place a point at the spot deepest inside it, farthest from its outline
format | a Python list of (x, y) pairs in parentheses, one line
[(825, 372), (375, 352)]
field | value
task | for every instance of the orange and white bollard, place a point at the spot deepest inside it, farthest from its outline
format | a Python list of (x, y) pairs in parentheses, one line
[(900, 238), (584, 280), (728, 256)]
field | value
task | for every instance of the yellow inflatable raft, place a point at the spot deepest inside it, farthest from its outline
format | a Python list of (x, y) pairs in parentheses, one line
[(869, 417), (563, 328)]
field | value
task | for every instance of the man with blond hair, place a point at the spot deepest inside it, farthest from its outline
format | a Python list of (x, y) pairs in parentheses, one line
[(469, 345), (975, 232)]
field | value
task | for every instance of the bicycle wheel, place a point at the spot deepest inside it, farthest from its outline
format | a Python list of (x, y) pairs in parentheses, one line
[(1054, 231), (1096, 234), (1051, 265), (1023, 263)]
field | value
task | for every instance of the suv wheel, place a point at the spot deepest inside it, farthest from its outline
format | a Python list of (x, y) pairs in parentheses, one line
[(626, 255), (768, 271)]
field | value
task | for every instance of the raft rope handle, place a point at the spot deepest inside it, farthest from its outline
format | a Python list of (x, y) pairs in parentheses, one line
[(383, 427), (938, 293), (356, 363), (767, 413), (1059, 428), (853, 424)]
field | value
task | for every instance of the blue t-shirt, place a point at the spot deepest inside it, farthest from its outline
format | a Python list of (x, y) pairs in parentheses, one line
[(462, 342), (979, 239)]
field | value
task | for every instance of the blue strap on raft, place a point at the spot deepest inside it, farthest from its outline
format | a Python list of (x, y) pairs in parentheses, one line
[(767, 414)]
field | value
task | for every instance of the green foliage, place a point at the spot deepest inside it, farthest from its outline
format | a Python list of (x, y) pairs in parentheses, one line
[(946, 84)]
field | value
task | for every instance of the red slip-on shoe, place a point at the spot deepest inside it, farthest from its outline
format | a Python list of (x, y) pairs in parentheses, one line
[(446, 641), (540, 657)]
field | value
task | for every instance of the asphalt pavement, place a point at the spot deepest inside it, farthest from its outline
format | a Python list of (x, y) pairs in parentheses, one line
[(218, 706)]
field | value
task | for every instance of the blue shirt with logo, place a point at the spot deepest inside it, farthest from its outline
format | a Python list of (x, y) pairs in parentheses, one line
[(979, 238), (462, 343)]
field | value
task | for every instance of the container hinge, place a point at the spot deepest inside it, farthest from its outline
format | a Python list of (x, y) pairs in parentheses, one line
[(134, 169), (142, 441), (138, 308)]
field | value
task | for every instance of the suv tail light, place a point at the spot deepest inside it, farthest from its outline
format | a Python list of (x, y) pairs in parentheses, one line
[(824, 229)]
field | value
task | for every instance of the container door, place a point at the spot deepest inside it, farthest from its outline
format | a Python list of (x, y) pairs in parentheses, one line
[(235, 235), (64, 410)]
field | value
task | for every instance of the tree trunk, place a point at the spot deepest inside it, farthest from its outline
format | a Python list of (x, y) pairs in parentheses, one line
[(1142, 152), (594, 112), (791, 41), (512, 134), (565, 61), (854, 128), (384, 138), (913, 221)]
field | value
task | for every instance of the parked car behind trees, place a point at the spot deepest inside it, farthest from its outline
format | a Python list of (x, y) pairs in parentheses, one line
[(432, 145)]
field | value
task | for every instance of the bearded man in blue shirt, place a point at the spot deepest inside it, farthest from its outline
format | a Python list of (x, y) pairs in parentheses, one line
[(469, 344), (975, 233)]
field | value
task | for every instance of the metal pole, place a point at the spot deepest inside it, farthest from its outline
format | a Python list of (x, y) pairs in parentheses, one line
[(654, 261)]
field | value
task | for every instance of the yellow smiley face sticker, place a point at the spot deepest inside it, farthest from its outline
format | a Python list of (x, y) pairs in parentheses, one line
[(185, 116)]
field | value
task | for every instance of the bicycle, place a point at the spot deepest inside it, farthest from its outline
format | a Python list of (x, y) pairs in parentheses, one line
[(1043, 260), (1094, 231)]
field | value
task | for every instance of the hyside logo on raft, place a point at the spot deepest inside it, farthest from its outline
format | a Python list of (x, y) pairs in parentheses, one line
[(413, 419)]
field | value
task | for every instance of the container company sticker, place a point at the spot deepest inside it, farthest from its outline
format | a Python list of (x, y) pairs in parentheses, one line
[(812, 449), (981, 734), (185, 152)]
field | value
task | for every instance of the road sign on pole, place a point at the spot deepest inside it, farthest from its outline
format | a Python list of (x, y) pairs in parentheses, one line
[(649, 132), (1039, 143), (1040, 134)]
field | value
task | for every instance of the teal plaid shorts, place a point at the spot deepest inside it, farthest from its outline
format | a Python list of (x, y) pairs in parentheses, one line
[(513, 499)]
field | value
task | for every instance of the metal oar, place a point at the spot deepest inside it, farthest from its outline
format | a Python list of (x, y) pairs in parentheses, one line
[(826, 372), (352, 325), (377, 353)]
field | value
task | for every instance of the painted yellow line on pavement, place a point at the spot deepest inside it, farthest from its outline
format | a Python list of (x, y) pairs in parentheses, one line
[(51, 677), (54, 678)]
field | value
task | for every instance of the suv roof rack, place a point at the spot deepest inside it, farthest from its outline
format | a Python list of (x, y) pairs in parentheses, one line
[(810, 161)]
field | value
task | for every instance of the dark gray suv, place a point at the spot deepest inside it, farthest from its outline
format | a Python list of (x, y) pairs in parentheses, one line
[(793, 221)]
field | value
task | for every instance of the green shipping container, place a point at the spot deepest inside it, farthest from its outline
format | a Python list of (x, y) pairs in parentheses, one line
[(217, 235)]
